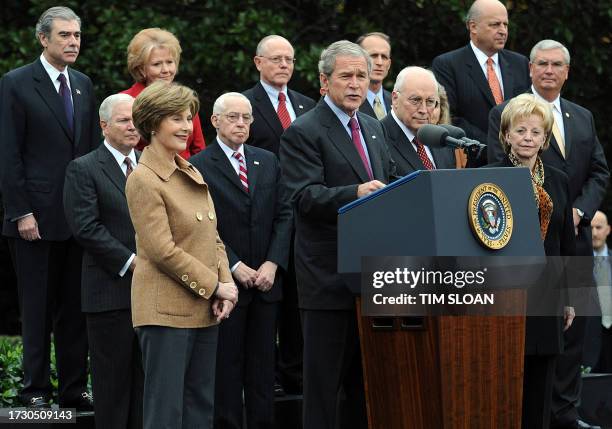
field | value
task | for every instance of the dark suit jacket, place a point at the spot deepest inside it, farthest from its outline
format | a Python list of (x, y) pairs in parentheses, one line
[(255, 226), (404, 155), (322, 169), (367, 108), (98, 215), (585, 164), (266, 130), (469, 95), (544, 335), (36, 145)]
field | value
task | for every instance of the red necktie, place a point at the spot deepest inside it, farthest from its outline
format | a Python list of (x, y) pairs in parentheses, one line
[(282, 112), (494, 82), (242, 174), (128, 162), (423, 155), (357, 142)]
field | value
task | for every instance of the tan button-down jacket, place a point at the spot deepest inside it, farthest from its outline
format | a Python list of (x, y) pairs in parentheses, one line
[(181, 258)]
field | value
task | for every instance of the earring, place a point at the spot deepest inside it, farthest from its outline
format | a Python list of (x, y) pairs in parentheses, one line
[(152, 133)]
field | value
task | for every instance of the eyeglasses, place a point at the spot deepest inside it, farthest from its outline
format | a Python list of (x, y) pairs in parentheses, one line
[(556, 65), (279, 59), (234, 117), (430, 103)]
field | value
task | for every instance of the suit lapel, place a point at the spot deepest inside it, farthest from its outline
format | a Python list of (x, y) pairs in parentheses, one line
[(111, 169), (568, 127), (387, 100), (264, 105), (403, 145), (46, 90), (75, 86), (476, 74), (225, 167), (298, 108), (506, 71), (339, 137), (367, 109), (253, 166)]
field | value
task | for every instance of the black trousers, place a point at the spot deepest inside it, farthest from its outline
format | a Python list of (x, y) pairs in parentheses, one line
[(290, 339), (333, 379), (537, 391), (116, 370), (245, 360), (179, 368), (49, 282), (568, 380), (604, 363)]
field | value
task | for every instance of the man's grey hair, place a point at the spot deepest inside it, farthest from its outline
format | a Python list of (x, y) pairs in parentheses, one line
[(547, 45), (219, 106), (109, 103), (401, 77), (45, 22), (339, 49), (261, 46)]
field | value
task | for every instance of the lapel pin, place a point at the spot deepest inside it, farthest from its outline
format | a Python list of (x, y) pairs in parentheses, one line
[(374, 137), (567, 114), (78, 91), (256, 162), (300, 106)]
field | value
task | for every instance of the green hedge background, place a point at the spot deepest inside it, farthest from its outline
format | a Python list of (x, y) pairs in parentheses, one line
[(219, 37)]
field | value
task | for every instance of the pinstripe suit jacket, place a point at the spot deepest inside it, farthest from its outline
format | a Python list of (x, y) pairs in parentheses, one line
[(97, 213), (255, 226)]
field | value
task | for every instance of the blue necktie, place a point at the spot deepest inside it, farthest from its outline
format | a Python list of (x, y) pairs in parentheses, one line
[(67, 100)]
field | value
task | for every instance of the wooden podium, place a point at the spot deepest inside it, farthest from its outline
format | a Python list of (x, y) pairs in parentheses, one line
[(439, 371)]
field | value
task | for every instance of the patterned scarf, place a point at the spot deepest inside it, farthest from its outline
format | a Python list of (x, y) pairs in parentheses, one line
[(542, 199)]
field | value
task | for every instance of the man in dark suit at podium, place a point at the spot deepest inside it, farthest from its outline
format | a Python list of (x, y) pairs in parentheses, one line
[(482, 74), (331, 156), (378, 100), (97, 213), (274, 61), (415, 96), (575, 150), (48, 116)]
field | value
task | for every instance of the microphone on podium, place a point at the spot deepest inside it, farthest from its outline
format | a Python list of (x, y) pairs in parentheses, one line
[(446, 135)]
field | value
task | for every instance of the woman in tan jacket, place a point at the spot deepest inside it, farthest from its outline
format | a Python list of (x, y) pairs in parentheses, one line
[(182, 286)]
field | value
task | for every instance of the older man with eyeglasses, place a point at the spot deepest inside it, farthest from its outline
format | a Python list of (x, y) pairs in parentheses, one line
[(414, 98), (254, 221)]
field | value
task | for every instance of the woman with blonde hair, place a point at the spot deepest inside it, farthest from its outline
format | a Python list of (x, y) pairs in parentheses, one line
[(525, 130), (154, 54), (182, 286)]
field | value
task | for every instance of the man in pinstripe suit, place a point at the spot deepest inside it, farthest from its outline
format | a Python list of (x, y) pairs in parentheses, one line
[(97, 213), (254, 222)]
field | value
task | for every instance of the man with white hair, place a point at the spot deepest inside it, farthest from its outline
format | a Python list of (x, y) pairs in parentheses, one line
[(414, 99), (254, 221), (331, 156), (97, 213)]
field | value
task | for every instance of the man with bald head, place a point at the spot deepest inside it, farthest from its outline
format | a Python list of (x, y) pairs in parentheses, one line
[(378, 99), (482, 74), (415, 97), (275, 106)]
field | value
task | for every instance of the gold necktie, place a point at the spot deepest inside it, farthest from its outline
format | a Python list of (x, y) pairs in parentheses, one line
[(557, 133), (378, 108)]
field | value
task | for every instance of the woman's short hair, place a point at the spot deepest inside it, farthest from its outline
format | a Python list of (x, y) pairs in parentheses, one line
[(141, 45), (444, 106), (158, 101), (521, 107)]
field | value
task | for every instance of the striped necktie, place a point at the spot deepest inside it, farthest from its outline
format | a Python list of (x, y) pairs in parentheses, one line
[(242, 173)]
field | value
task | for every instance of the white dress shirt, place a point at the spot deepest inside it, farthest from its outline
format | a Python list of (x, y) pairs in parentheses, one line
[(482, 58), (410, 135), (273, 95)]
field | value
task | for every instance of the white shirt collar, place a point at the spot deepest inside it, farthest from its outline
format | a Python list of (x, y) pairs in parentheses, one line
[(53, 72), (119, 157), (482, 57), (273, 92), (370, 95), (229, 152), (602, 252), (404, 128), (556, 102)]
